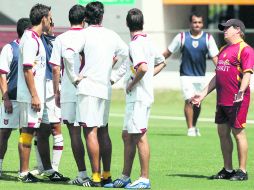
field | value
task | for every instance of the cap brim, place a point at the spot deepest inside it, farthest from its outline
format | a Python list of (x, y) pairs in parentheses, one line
[(222, 26)]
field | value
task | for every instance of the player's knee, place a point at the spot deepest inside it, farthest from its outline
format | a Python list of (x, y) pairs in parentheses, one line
[(26, 138), (125, 136)]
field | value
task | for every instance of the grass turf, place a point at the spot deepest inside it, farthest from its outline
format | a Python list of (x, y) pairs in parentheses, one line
[(177, 162)]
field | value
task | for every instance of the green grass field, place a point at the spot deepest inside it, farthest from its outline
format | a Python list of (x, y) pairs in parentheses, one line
[(177, 162)]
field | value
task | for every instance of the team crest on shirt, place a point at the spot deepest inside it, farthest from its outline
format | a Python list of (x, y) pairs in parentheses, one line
[(195, 44), (6, 121)]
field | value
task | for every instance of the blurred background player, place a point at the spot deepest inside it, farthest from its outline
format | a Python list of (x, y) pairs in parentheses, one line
[(100, 46), (194, 46), (145, 62), (68, 91), (232, 79), (52, 114), (9, 118)]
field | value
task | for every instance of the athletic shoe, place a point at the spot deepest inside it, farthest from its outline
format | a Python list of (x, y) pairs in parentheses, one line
[(197, 132), (95, 184), (87, 182), (138, 184), (55, 176), (28, 178), (239, 176), (118, 183), (80, 181), (106, 181), (191, 132), (223, 174)]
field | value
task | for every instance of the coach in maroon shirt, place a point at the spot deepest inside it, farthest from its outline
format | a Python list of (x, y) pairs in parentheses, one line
[(233, 73)]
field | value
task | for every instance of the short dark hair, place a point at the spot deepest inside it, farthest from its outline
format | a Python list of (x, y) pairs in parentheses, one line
[(135, 20), (197, 14), (37, 12), (77, 14), (22, 25), (94, 12)]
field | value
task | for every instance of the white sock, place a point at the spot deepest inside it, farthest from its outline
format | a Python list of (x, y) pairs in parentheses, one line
[(50, 171), (22, 174), (38, 157), (125, 177), (230, 171), (82, 174), (57, 151), (145, 180), (1, 164)]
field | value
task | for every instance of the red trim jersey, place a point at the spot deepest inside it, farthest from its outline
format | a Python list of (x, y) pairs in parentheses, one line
[(31, 54), (233, 61)]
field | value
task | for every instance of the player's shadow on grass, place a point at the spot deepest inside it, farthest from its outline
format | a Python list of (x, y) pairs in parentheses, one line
[(6, 177), (189, 176), (169, 134)]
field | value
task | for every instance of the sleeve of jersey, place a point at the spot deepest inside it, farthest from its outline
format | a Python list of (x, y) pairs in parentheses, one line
[(212, 47), (5, 59), (55, 58), (159, 58), (122, 48), (247, 59), (175, 45), (70, 57), (138, 55), (116, 75), (30, 50)]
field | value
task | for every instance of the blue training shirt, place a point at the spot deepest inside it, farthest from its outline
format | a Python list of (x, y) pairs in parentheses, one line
[(12, 76), (194, 55), (47, 42)]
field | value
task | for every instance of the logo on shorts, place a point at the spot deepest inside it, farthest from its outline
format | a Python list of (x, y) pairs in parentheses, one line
[(6, 121), (195, 44)]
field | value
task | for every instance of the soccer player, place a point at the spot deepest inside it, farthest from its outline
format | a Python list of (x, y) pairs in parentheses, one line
[(52, 114), (233, 73), (100, 46), (68, 91), (145, 62), (9, 117), (31, 89), (194, 46)]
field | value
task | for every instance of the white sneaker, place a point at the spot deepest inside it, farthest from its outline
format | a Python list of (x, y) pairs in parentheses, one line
[(197, 132), (191, 132)]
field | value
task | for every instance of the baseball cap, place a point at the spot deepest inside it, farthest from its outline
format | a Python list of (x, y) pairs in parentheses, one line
[(232, 22)]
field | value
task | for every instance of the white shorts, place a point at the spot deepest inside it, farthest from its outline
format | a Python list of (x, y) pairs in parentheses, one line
[(92, 111), (28, 117), (10, 120), (51, 113), (192, 85), (68, 112), (136, 117)]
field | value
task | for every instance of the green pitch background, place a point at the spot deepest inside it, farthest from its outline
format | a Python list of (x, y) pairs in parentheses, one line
[(177, 162)]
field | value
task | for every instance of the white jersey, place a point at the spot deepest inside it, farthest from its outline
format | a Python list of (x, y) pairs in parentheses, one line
[(142, 51), (179, 40), (100, 46), (6, 58), (69, 38), (31, 53)]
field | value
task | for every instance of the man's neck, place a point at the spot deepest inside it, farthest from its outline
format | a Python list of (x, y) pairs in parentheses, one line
[(195, 34), (37, 29), (234, 40), (77, 26)]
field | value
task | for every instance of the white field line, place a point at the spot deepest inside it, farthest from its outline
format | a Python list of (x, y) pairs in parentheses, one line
[(160, 117)]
